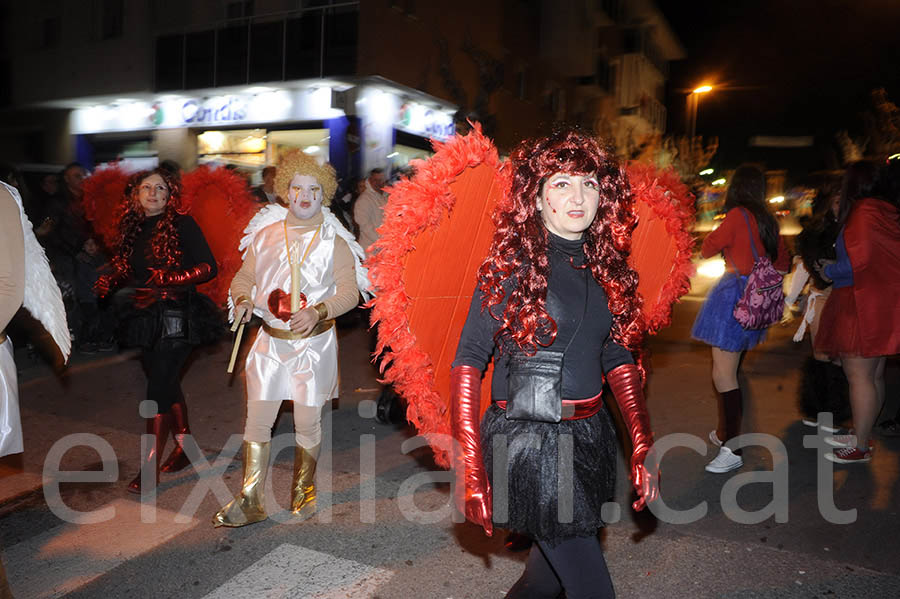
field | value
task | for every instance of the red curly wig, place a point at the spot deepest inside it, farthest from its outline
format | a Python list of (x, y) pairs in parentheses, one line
[(518, 261), (165, 246)]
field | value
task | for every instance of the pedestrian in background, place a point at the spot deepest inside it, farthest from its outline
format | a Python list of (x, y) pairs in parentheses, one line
[(861, 320), (823, 386), (748, 230), (265, 193), (368, 212)]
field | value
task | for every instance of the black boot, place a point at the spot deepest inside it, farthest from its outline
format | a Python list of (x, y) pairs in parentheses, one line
[(813, 381)]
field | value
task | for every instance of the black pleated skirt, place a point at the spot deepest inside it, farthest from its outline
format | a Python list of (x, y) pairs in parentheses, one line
[(557, 476)]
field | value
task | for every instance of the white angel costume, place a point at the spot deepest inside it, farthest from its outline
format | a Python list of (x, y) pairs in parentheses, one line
[(44, 301), (282, 365)]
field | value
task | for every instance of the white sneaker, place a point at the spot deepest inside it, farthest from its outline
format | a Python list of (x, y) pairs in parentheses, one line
[(841, 440), (714, 438), (726, 461)]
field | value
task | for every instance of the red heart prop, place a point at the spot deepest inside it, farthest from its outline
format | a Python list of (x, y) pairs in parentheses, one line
[(280, 304)]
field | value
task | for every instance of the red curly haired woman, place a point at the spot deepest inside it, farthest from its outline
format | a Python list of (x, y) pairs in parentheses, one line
[(558, 311), (161, 256)]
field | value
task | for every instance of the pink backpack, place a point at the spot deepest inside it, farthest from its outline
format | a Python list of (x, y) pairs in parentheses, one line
[(762, 303)]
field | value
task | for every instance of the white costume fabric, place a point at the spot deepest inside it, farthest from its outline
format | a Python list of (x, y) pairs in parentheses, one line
[(44, 301), (302, 370), (815, 298), (10, 421), (368, 212)]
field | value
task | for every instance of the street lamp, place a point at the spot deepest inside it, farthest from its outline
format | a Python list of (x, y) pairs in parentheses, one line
[(693, 104)]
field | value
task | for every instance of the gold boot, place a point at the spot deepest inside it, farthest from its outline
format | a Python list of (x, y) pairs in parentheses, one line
[(303, 489), (250, 505)]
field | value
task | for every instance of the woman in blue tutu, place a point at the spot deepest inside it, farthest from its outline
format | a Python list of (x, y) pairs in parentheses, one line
[(748, 229)]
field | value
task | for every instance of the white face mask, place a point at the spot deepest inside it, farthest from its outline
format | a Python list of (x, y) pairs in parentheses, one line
[(305, 196), (568, 204)]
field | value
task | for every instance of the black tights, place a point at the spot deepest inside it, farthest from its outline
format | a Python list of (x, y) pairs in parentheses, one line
[(576, 565), (163, 368)]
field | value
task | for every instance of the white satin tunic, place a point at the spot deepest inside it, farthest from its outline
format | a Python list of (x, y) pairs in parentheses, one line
[(10, 422), (302, 370)]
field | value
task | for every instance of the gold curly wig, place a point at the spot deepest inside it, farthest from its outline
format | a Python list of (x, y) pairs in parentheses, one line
[(295, 162)]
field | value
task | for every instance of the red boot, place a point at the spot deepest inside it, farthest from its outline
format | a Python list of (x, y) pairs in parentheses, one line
[(158, 426), (178, 460)]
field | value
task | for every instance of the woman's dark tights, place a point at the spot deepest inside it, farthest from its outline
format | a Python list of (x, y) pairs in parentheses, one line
[(163, 367), (576, 565)]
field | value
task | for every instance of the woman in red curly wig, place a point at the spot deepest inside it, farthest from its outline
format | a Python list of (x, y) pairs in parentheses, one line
[(161, 256), (557, 309)]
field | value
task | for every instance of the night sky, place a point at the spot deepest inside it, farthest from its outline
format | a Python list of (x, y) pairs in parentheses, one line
[(796, 67)]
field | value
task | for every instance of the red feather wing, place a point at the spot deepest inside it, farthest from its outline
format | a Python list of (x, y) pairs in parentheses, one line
[(661, 245), (104, 192), (221, 203), (437, 230)]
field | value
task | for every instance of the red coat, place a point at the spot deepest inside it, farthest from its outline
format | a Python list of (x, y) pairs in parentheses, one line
[(864, 318), (732, 239)]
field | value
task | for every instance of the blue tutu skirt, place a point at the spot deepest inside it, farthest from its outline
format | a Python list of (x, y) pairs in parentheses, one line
[(716, 325)]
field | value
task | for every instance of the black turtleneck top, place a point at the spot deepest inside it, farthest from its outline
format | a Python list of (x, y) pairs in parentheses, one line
[(194, 249), (592, 351)]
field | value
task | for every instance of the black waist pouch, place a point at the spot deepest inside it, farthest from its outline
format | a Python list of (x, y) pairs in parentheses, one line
[(173, 323), (534, 386)]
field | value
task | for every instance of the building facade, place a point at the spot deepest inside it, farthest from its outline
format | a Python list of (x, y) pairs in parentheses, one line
[(359, 83)]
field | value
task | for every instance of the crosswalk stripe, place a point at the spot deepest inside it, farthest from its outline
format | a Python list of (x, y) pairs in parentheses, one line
[(293, 571), (72, 555)]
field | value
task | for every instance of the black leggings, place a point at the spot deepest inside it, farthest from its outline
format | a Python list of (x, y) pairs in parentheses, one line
[(576, 565), (163, 368)]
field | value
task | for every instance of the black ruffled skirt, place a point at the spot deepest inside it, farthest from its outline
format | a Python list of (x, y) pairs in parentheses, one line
[(193, 319), (543, 496)]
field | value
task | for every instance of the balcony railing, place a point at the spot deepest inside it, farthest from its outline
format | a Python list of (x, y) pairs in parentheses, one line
[(303, 44)]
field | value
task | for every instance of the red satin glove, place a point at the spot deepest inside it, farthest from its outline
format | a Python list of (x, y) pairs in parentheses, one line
[(171, 278), (626, 385), (144, 297), (465, 404), (103, 284)]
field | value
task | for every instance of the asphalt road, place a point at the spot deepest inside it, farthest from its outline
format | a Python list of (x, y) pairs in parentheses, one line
[(384, 529)]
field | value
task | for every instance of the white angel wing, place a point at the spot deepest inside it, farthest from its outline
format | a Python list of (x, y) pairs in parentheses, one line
[(42, 297), (362, 273)]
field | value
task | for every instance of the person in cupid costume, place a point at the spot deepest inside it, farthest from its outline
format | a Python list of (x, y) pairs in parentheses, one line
[(301, 270)]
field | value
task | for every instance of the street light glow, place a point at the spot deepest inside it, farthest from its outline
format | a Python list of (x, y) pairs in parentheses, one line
[(719, 181), (703, 89), (707, 171), (712, 268)]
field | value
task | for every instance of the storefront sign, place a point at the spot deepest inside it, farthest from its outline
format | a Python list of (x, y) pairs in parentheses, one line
[(214, 111), (419, 119)]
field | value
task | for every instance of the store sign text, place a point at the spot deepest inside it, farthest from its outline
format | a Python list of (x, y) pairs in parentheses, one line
[(226, 109)]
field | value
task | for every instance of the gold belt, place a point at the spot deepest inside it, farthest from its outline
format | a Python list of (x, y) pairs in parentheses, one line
[(321, 327)]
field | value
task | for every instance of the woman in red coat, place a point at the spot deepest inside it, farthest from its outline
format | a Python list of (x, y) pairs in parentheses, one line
[(861, 320)]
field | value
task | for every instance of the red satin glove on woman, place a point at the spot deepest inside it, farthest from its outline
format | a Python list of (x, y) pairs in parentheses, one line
[(160, 277), (474, 495), (625, 382)]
